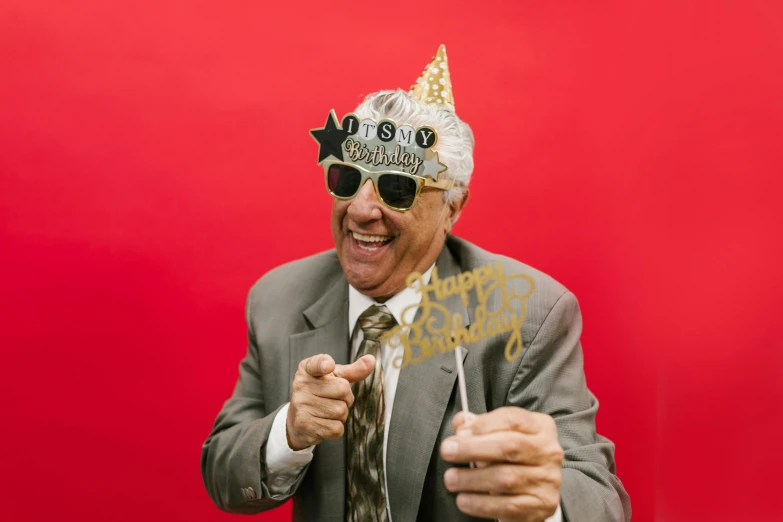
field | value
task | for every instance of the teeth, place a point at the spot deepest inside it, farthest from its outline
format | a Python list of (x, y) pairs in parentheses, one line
[(370, 239)]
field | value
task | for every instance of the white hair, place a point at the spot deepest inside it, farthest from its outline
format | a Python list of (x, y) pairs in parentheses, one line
[(455, 139)]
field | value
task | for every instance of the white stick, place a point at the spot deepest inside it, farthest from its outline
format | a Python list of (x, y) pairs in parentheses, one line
[(463, 389)]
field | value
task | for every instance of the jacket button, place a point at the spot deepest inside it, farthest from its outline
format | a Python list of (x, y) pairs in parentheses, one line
[(249, 494)]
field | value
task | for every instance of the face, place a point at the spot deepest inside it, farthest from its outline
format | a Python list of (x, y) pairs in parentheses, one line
[(378, 247)]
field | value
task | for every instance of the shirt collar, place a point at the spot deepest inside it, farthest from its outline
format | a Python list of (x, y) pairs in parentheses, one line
[(358, 303)]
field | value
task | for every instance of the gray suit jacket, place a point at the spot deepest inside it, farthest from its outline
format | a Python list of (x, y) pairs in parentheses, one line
[(301, 309)]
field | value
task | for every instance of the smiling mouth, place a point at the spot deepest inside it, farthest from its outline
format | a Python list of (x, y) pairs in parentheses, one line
[(370, 242)]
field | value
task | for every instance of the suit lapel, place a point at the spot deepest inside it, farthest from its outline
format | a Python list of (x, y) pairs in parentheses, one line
[(323, 495), (422, 395)]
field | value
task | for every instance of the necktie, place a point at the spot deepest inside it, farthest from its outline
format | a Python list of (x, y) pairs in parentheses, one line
[(364, 427)]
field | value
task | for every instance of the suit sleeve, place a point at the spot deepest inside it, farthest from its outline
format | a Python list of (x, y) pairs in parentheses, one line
[(551, 380), (233, 463)]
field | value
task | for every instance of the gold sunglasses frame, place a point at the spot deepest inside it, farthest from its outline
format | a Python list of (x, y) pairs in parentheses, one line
[(421, 182)]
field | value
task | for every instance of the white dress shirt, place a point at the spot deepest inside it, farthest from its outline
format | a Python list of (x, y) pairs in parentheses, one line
[(284, 464)]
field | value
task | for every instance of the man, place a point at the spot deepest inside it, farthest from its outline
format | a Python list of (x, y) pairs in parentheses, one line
[(322, 414)]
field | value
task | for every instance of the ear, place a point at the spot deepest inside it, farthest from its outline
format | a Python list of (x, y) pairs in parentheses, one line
[(455, 208)]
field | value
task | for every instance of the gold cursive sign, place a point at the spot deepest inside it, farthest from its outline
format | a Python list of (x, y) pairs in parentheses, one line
[(438, 330), (379, 155)]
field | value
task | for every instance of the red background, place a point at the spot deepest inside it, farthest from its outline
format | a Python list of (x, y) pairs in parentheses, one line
[(155, 161)]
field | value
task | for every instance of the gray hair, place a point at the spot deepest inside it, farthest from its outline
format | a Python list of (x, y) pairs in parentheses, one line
[(455, 139)]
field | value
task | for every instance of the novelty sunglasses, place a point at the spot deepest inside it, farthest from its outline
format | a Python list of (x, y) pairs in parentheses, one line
[(397, 190)]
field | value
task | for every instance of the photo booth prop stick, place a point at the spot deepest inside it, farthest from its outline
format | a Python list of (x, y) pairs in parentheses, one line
[(500, 308), (463, 388)]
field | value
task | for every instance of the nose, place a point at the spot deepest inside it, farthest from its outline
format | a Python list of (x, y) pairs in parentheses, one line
[(365, 206)]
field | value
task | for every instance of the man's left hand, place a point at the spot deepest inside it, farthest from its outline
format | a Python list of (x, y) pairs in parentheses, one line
[(519, 465)]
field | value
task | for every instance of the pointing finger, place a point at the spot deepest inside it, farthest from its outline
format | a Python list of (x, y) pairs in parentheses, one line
[(357, 371)]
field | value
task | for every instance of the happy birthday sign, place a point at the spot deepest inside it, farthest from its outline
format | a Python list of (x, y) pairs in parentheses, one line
[(438, 330)]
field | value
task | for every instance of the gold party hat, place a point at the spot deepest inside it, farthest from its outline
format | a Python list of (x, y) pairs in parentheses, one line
[(434, 85)]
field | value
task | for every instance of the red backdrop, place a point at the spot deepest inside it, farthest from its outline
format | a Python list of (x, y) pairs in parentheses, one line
[(155, 161)]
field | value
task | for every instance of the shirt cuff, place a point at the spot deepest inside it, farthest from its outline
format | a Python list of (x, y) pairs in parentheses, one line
[(283, 464)]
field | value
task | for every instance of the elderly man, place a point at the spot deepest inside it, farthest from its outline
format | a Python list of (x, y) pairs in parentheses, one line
[(322, 414)]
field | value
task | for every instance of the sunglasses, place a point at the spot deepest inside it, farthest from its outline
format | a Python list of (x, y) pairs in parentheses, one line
[(396, 190)]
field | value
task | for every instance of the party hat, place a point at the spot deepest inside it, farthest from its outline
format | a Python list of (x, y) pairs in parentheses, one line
[(434, 85)]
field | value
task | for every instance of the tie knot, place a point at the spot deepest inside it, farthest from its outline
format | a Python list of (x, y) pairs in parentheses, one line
[(375, 321)]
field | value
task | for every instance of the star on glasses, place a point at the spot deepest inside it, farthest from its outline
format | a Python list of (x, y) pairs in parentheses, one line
[(330, 139)]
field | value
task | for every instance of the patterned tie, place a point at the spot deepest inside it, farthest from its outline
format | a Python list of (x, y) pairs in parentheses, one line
[(366, 482)]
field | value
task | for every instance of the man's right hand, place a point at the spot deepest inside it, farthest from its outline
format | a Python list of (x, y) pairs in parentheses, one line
[(320, 398)]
